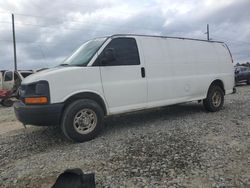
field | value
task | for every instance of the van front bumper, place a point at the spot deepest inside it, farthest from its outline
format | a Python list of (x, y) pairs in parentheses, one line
[(41, 115)]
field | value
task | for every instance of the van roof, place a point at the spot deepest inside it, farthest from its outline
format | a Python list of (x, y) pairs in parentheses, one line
[(158, 36)]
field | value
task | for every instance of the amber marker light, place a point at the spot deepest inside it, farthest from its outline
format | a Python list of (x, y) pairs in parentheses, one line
[(36, 100)]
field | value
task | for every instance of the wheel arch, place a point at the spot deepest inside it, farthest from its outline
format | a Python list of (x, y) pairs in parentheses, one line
[(87, 95), (217, 82)]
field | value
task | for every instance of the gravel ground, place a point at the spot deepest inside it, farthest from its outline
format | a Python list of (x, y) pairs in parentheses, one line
[(176, 146)]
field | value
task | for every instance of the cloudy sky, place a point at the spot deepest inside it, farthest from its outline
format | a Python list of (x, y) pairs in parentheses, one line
[(48, 31)]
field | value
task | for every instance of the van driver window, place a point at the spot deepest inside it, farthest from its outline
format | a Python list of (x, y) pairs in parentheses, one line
[(125, 52)]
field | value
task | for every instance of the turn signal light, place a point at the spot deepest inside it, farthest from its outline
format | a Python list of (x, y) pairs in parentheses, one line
[(36, 100)]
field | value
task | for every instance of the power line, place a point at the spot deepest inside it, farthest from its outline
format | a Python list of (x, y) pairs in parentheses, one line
[(231, 40), (76, 21), (106, 30), (60, 23), (56, 25), (89, 8), (4, 12), (235, 42), (39, 43)]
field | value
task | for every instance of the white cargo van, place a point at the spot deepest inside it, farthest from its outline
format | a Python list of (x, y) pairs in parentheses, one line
[(124, 73)]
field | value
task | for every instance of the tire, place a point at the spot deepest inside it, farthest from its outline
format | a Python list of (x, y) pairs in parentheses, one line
[(82, 120), (236, 81), (7, 102), (248, 81), (214, 103)]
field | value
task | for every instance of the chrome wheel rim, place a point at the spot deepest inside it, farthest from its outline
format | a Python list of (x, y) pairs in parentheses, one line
[(85, 121), (216, 99)]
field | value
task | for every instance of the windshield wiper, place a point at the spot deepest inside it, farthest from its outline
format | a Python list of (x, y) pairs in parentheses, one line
[(63, 64), (69, 65)]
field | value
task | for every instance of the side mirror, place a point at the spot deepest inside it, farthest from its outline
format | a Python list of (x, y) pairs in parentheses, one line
[(108, 55)]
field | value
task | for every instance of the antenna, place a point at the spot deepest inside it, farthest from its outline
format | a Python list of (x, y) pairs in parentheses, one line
[(208, 38)]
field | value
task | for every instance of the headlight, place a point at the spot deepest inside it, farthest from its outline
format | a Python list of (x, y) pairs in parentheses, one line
[(35, 93), (42, 88)]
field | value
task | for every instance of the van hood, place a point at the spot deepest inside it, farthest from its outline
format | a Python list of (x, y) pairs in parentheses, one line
[(45, 74)]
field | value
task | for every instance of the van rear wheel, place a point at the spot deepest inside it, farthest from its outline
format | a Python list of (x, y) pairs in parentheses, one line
[(82, 120), (215, 99)]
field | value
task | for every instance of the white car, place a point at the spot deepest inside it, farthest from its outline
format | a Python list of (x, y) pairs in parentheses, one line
[(8, 78), (9, 83), (124, 73)]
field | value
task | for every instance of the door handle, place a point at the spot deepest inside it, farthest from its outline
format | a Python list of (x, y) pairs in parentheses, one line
[(142, 72)]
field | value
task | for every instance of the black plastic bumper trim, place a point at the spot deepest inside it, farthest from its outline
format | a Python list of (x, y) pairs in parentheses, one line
[(41, 115)]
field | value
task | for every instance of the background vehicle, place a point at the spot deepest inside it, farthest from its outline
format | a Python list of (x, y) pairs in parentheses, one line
[(9, 83), (125, 73), (242, 74)]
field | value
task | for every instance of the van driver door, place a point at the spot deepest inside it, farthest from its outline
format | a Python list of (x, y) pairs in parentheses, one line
[(123, 75)]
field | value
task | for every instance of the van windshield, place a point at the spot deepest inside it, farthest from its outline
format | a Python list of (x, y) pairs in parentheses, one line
[(84, 53)]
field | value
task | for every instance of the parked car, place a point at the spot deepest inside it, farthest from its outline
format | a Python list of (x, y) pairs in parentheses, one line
[(125, 73), (9, 83), (242, 74)]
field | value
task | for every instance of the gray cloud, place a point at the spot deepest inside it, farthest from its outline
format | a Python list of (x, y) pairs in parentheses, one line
[(48, 31)]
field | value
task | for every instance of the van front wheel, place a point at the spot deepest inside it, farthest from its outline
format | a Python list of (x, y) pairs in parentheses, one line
[(215, 99), (82, 120)]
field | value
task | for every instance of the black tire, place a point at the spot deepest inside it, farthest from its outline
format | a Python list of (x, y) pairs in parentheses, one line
[(68, 126), (208, 102), (236, 81), (248, 81), (7, 102)]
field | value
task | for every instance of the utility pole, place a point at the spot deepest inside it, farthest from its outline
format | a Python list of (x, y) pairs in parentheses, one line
[(14, 41), (207, 32)]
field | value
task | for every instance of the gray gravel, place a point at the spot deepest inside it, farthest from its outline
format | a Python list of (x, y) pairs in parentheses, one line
[(6, 114), (176, 146)]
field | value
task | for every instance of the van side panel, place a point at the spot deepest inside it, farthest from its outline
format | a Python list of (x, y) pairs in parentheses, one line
[(214, 63), (204, 60), (184, 56), (181, 70), (159, 71), (227, 69)]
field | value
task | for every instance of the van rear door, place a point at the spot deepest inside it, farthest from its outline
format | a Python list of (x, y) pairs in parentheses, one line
[(123, 77)]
